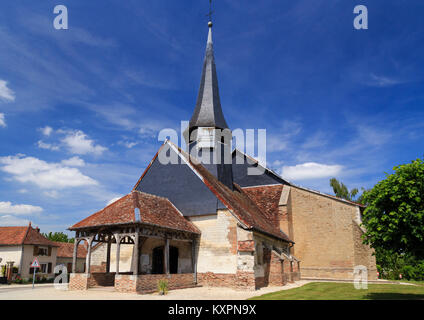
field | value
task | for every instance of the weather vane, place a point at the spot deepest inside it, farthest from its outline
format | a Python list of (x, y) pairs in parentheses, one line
[(210, 13)]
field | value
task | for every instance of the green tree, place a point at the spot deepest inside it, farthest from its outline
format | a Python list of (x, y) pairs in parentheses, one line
[(59, 237), (341, 191), (394, 217)]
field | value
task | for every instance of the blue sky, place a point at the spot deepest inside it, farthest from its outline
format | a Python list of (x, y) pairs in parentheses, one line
[(80, 109)]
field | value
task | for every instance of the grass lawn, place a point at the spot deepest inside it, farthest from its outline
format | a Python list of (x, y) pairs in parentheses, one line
[(346, 291)]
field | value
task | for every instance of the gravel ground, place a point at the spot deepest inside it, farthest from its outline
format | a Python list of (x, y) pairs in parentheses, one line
[(48, 292)]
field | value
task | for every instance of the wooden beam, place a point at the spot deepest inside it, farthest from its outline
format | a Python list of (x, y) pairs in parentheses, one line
[(194, 260), (166, 255), (74, 256)]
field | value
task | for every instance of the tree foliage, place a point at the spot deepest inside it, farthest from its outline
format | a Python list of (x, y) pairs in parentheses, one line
[(341, 191), (59, 237), (394, 217)]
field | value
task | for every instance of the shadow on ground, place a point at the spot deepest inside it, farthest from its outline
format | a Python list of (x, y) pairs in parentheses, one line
[(394, 296)]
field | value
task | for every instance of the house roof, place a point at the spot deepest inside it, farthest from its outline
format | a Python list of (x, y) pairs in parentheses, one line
[(66, 250), (154, 210), (23, 235)]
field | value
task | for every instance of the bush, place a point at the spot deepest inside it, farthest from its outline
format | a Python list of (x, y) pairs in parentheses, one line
[(163, 286), (390, 265)]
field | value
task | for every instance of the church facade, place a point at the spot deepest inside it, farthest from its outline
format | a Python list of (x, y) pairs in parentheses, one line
[(197, 217)]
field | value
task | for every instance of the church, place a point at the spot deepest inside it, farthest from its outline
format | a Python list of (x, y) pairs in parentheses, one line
[(203, 219)]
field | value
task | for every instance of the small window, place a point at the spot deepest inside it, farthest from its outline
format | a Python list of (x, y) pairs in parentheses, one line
[(43, 251), (43, 267)]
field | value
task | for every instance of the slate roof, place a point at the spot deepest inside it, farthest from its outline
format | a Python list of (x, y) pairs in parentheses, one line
[(66, 250), (208, 111), (23, 235), (154, 210)]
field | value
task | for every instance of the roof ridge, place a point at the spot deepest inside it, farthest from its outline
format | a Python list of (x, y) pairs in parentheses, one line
[(26, 233)]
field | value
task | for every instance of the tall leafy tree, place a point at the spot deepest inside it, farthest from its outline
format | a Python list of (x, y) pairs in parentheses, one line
[(394, 217), (59, 237), (341, 191)]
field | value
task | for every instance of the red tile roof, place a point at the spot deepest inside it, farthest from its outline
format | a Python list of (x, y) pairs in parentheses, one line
[(154, 210), (267, 198), (66, 250), (23, 235)]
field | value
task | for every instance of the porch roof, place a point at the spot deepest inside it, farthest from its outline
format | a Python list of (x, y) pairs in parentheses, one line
[(154, 210)]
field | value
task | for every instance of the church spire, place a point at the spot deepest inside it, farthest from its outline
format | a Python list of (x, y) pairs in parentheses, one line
[(208, 111)]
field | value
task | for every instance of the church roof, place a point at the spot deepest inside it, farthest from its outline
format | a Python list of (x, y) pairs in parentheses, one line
[(154, 210), (208, 111), (236, 200), (23, 235), (267, 198)]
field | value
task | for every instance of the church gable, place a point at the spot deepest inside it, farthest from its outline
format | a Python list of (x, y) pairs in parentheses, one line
[(179, 184)]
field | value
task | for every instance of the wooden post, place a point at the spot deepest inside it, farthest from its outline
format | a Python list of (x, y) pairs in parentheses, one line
[(118, 251), (136, 253), (109, 243), (74, 257), (193, 260), (88, 258), (166, 255)]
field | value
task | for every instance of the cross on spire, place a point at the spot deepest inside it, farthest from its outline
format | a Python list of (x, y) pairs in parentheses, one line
[(210, 12)]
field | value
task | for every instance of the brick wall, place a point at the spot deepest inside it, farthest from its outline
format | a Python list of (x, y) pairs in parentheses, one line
[(327, 243), (148, 283), (101, 279), (239, 280), (78, 281)]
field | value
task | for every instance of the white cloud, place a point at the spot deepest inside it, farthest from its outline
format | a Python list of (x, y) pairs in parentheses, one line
[(51, 194), (382, 81), (2, 120), (46, 131), (43, 174), (310, 170), (78, 143), (6, 93), (43, 145), (74, 162), (18, 209), (9, 220), (128, 144)]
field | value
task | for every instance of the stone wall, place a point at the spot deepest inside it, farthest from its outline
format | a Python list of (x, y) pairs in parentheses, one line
[(217, 249), (327, 241)]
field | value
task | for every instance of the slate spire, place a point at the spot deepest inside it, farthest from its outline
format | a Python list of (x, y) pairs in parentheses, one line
[(208, 111)]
